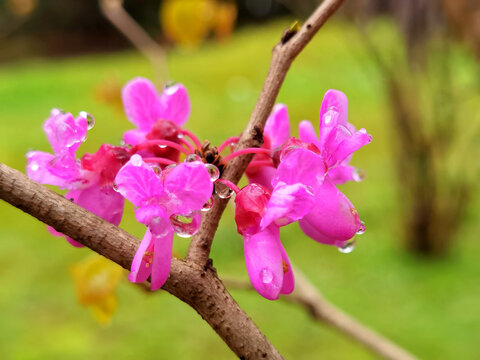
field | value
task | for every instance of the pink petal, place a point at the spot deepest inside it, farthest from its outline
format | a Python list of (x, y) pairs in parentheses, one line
[(287, 204), (175, 104), (141, 103), (38, 164), (307, 133), (343, 173), (261, 175), (72, 242), (140, 269), (301, 166), (64, 132), (333, 220), (162, 254), (189, 187), (263, 258), (277, 127), (137, 182), (288, 278), (337, 100), (146, 213), (133, 137), (351, 144)]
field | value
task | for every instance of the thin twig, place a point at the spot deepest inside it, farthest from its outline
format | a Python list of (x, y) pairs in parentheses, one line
[(252, 136), (308, 297), (116, 14)]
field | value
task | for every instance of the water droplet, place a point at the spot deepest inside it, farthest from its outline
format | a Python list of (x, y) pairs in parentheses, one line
[(266, 275), (115, 187), (34, 166), (180, 136), (223, 191), (212, 171), (361, 229), (159, 226), (208, 205), (358, 175), (161, 146), (171, 166), (56, 112), (348, 247), (136, 160), (193, 158), (186, 225), (89, 117), (122, 142), (157, 169)]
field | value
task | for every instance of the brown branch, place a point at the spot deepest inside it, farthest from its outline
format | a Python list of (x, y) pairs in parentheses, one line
[(116, 14), (198, 286), (283, 55), (308, 297)]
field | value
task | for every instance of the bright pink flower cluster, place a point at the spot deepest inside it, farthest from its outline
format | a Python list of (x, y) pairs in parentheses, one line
[(290, 180)]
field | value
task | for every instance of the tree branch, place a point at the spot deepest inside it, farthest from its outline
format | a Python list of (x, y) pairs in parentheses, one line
[(309, 298), (252, 136)]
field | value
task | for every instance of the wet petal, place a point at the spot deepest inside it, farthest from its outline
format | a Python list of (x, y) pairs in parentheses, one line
[(277, 127), (162, 256), (343, 173), (301, 166), (137, 182), (263, 258), (250, 205), (261, 175), (141, 103), (333, 220), (307, 133), (38, 163), (141, 264), (175, 104), (189, 187), (336, 100), (351, 144), (64, 132), (133, 137), (288, 204)]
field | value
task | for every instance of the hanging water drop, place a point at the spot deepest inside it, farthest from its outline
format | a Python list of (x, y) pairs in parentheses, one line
[(361, 229), (266, 275), (157, 169), (358, 175), (136, 160), (186, 225), (192, 158), (115, 186), (213, 171), (348, 247), (223, 191), (89, 117), (208, 205)]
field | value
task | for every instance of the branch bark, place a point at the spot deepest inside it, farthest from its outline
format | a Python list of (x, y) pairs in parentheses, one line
[(283, 55)]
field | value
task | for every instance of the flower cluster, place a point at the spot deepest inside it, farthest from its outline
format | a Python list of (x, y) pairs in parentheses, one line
[(170, 177)]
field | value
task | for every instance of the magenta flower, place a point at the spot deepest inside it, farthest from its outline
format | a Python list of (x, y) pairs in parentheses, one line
[(90, 180), (267, 263), (165, 201), (156, 116)]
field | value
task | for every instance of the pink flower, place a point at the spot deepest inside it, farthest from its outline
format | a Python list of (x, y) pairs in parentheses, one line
[(161, 200), (89, 181), (275, 134), (156, 116), (268, 266)]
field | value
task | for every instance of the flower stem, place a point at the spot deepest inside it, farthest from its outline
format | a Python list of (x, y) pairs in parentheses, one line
[(190, 147), (230, 184), (197, 142), (229, 141), (246, 151)]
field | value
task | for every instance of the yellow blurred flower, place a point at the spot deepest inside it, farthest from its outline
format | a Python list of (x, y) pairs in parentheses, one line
[(96, 280), (189, 22)]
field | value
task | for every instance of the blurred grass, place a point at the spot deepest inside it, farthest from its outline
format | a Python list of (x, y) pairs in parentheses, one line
[(430, 307)]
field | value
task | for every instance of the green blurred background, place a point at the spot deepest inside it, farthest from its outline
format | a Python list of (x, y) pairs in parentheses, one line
[(428, 305)]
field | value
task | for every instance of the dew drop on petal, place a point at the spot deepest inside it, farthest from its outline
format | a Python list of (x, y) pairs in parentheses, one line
[(193, 158), (186, 225), (358, 175), (213, 171), (122, 142), (157, 169), (136, 160), (90, 119), (361, 229), (56, 112), (115, 187), (208, 205), (162, 146), (266, 276), (223, 191), (171, 166), (180, 136), (34, 166), (348, 247)]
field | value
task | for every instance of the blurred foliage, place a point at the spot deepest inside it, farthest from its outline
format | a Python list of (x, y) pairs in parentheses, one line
[(430, 307)]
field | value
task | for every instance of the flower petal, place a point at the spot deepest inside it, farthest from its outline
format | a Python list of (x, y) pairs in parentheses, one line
[(351, 144), (162, 256), (301, 166), (137, 182), (277, 127), (141, 103), (141, 269), (38, 164), (333, 220), (189, 187), (64, 132), (175, 104), (307, 133), (288, 278), (263, 258), (133, 137), (343, 173), (261, 175), (337, 100), (287, 204)]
